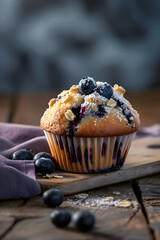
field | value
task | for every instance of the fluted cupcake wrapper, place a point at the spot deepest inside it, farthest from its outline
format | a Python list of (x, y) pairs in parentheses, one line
[(93, 154)]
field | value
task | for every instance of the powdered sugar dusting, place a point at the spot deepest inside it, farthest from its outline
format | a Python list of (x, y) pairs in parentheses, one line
[(121, 98), (95, 122), (88, 201), (95, 97), (108, 110), (119, 117), (92, 202), (99, 83)]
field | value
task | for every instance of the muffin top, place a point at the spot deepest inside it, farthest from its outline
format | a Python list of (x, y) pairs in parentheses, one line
[(91, 109)]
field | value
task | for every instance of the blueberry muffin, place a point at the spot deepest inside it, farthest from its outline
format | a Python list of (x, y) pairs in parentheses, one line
[(90, 127)]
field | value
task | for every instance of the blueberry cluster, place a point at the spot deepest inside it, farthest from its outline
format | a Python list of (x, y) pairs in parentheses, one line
[(43, 161), (82, 220), (88, 85)]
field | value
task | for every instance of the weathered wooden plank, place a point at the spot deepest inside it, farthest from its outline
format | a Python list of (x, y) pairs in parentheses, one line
[(6, 223), (141, 161), (10, 204), (150, 193), (126, 223), (41, 228), (5, 107), (30, 107), (7, 218), (111, 222)]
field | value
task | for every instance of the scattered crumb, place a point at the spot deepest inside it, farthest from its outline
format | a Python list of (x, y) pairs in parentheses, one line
[(89, 201), (64, 204), (135, 204), (57, 176), (124, 204), (84, 199), (116, 193), (52, 175), (82, 195), (93, 205), (107, 199)]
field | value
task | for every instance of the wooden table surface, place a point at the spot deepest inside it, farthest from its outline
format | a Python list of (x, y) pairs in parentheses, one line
[(29, 219)]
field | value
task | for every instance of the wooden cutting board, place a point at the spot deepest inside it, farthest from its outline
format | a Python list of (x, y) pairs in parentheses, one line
[(143, 160)]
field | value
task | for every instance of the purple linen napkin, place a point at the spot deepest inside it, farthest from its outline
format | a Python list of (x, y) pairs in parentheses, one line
[(17, 177), (152, 131)]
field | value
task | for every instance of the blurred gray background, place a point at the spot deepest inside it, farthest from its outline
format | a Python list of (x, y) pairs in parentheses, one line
[(52, 44)]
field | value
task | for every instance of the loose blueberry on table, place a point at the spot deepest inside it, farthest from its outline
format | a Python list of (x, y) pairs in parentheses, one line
[(44, 165), (60, 218), (23, 154), (53, 197), (83, 220), (43, 161)]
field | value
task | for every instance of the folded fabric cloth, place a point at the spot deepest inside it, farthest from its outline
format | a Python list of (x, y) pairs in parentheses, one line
[(152, 131), (17, 177)]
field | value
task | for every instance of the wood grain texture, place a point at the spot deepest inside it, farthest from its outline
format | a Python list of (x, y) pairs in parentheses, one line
[(142, 161), (112, 223), (150, 193), (5, 108), (7, 218), (6, 223), (30, 108)]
